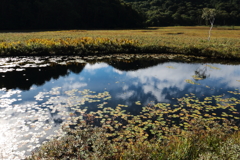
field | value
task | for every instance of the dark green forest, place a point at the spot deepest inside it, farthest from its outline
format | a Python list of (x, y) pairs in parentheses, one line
[(112, 14), (67, 14), (186, 12)]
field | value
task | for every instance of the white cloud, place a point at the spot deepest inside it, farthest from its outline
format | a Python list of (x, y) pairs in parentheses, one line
[(118, 71), (95, 66), (81, 78), (155, 79), (125, 87), (228, 74), (126, 95), (75, 85)]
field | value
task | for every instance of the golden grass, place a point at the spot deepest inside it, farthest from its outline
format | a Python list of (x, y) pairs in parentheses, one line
[(144, 34), (192, 40)]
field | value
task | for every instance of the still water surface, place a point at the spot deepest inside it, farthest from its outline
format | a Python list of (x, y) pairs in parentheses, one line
[(36, 95)]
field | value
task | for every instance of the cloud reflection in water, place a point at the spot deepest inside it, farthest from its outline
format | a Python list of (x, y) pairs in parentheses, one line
[(28, 118)]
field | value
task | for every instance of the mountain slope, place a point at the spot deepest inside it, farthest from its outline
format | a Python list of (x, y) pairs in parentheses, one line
[(186, 12)]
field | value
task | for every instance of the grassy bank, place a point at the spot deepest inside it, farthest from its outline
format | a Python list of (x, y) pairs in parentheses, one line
[(191, 129), (225, 42)]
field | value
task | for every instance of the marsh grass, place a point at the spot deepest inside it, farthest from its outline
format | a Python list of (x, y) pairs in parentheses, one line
[(192, 129), (77, 46), (225, 42)]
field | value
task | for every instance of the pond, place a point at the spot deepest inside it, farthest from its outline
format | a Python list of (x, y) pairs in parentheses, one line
[(39, 94)]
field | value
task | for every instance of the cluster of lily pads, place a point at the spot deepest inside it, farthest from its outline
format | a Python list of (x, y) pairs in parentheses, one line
[(190, 129)]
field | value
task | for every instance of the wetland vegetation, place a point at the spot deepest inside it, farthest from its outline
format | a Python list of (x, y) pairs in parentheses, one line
[(179, 40), (191, 128), (118, 106), (135, 92), (153, 134)]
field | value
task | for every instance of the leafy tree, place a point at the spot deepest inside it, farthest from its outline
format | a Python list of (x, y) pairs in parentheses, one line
[(86, 14), (186, 12)]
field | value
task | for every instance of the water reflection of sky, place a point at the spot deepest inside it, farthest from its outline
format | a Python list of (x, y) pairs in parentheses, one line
[(27, 118)]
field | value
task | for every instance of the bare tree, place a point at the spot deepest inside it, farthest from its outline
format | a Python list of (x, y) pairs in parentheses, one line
[(201, 73), (209, 15)]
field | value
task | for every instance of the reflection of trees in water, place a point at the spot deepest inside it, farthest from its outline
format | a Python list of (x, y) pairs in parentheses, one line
[(133, 65), (130, 64), (76, 67), (39, 75), (201, 73), (36, 76)]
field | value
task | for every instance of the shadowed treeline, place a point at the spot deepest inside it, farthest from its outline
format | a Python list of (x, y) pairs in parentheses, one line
[(66, 14), (96, 14), (187, 12)]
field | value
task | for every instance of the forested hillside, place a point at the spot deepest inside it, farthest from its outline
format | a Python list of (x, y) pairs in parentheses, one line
[(186, 12), (109, 14), (67, 14)]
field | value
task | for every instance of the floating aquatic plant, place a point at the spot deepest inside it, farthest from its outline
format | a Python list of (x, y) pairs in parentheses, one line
[(192, 127), (191, 81)]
